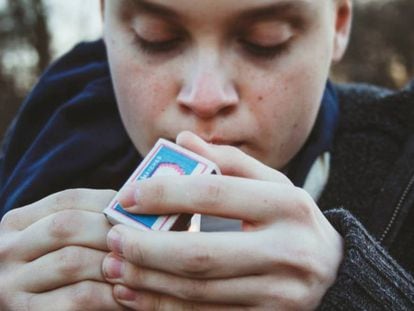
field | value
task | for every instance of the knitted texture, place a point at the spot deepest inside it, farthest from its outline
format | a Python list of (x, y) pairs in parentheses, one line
[(373, 164), (368, 278)]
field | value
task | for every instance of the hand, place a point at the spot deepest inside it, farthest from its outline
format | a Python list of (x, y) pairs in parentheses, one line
[(286, 258), (51, 254)]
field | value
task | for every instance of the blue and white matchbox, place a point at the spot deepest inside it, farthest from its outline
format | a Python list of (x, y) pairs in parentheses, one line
[(165, 158)]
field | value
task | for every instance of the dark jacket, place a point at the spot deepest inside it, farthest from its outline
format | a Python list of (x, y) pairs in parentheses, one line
[(73, 111)]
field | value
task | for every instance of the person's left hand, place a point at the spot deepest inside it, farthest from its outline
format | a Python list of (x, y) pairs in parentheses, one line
[(285, 259)]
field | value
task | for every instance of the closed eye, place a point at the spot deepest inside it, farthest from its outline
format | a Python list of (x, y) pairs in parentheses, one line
[(158, 47), (262, 51)]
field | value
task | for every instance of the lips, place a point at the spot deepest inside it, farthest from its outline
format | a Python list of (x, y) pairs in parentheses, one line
[(224, 142)]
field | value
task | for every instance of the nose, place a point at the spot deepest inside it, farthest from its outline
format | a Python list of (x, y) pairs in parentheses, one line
[(207, 91)]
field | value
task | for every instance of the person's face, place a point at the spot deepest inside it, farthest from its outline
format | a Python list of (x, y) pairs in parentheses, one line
[(248, 73)]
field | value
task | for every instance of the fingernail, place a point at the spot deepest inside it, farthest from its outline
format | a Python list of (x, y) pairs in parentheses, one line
[(124, 293), (114, 241), (113, 267), (126, 196)]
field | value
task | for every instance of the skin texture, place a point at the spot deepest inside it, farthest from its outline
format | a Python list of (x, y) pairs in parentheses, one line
[(249, 87), (285, 258), (51, 252), (207, 69), (208, 80)]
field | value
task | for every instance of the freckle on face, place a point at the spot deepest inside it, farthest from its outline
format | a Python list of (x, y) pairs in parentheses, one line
[(277, 102)]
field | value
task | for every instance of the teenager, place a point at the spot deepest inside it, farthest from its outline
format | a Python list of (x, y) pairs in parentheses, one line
[(320, 176)]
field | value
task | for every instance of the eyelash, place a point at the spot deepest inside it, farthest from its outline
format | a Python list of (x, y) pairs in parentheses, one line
[(263, 52), (255, 50), (160, 47)]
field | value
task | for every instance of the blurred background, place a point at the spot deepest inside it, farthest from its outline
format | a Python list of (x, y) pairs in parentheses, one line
[(33, 33)]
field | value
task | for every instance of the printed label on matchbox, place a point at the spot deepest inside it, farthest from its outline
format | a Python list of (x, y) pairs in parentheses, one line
[(166, 158)]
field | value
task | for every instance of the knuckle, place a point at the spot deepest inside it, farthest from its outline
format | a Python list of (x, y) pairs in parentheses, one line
[(63, 223), (308, 266), (302, 299), (290, 299), (70, 261), (135, 252), (83, 295), (304, 207), (66, 199), (136, 276), (274, 295), (154, 192), (209, 195), (198, 263), (194, 290), (302, 261), (298, 294), (10, 219)]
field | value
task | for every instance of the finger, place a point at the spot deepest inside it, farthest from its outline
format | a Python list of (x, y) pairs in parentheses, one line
[(143, 300), (71, 227), (208, 255), (86, 295), (249, 200), (61, 268), (83, 199), (240, 291), (231, 160)]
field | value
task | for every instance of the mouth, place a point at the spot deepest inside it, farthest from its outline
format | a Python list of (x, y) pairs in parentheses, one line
[(222, 142)]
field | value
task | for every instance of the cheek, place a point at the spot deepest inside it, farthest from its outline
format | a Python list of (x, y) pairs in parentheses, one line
[(137, 88), (284, 100), (285, 105), (143, 96)]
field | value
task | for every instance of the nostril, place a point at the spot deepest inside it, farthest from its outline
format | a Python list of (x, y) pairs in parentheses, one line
[(207, 110), (184, 109), (228, 110), (207, 95)]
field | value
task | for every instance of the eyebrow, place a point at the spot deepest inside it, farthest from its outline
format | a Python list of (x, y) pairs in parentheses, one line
[(274, 10), (154, 8), (278, 10)]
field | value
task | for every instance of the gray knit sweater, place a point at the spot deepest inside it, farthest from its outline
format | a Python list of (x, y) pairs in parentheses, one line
[(372, 180)]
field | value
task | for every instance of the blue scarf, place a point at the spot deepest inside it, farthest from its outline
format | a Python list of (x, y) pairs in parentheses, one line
[(68, 134), (320, 139)]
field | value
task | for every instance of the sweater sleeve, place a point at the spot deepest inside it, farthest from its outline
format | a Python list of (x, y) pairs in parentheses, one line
[(368, 278)]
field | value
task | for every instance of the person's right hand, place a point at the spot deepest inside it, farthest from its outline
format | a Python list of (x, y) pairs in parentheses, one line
[(51, 254)]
